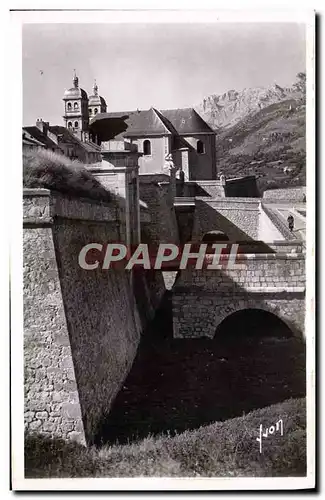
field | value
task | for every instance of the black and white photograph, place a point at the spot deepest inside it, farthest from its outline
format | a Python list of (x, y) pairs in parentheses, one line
[(167, 251)]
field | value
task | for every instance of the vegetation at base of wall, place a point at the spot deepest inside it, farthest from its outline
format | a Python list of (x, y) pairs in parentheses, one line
[(222, 449), (49, 170)]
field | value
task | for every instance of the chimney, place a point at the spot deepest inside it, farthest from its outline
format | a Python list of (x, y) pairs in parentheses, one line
[(42, 126)]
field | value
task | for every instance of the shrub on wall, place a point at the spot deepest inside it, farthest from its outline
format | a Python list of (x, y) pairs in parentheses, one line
[(49, 170)]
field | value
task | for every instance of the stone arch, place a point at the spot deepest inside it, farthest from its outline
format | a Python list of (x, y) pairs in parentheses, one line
[(214, 236), (243, 305)]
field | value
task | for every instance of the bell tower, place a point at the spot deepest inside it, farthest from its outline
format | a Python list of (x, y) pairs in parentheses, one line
[(96, 103), (76, 116)]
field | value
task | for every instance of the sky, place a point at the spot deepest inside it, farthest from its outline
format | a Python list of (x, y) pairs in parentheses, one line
[(137, 66)]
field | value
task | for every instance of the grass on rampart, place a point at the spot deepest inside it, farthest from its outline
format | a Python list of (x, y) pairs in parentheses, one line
[(49, 170), (218, 450)]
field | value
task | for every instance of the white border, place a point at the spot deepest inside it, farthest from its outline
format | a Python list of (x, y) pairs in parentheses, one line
[(15, 114)]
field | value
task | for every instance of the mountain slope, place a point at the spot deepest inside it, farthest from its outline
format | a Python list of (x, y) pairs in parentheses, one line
[(225, 110), (269, 144), (261, 132)]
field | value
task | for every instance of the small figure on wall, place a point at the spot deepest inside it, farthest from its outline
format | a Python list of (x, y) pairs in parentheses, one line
[(291, 223)]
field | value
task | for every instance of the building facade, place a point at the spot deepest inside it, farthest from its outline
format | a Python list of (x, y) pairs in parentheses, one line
[(180, 134)]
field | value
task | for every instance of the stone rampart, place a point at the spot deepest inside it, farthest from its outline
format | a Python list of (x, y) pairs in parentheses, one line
[(81, 327)]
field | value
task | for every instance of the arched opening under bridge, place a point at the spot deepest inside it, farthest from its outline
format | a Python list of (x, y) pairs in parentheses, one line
[(214, 237), (252, 323)]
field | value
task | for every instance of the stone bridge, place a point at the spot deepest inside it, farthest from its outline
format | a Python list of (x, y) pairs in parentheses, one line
[(273, 282)]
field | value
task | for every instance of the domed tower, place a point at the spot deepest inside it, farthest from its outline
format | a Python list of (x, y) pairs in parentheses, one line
[(76, 117), (96, 103)]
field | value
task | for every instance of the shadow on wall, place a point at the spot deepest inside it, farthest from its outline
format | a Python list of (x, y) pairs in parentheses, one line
[(102, 320), (245, 187), (148, 289), (206, 220), (190, 189), (218, 237)]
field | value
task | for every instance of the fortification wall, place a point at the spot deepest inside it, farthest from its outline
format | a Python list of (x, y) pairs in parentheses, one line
[(237, 218), (156, 194), (295, 194), (81, 327), (272, 282), (212, 188)]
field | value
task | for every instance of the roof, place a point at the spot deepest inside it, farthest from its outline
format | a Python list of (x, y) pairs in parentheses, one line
[(69, 136), (37, 134), (75, 93), (153, 122), (31, 141), (187, 121), (139, 123), (96, 100)]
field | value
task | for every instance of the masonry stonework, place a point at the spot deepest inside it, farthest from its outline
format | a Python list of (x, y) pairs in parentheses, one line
[(202, 299), (81, 328), (155, 192), (237, 218)]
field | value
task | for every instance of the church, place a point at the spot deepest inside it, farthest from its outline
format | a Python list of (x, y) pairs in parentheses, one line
[(180, 135)]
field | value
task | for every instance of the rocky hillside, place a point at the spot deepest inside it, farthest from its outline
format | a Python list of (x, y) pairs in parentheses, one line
[(225, 110), (261, 132)]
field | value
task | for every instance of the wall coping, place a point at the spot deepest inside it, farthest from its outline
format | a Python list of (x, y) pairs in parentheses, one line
[(271, 256), (229, 199), (210, 182), (36, 192), (192, 289), (112, 170)]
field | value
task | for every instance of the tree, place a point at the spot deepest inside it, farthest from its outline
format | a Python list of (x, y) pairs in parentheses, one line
[(300, 84)]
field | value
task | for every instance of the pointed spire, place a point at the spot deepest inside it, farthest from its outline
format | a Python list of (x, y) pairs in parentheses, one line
[(75, 80), (95, 88)]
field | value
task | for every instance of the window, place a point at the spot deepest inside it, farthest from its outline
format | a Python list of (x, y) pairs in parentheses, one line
[(146, 148), (69, 124), (200, 148), (76, 124), (90, 111), (76, 106), (95, 111), (69, 106)]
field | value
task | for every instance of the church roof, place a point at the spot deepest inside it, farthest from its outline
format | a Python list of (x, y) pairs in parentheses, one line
[(138, 123), (187, 121), (153, 122)]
